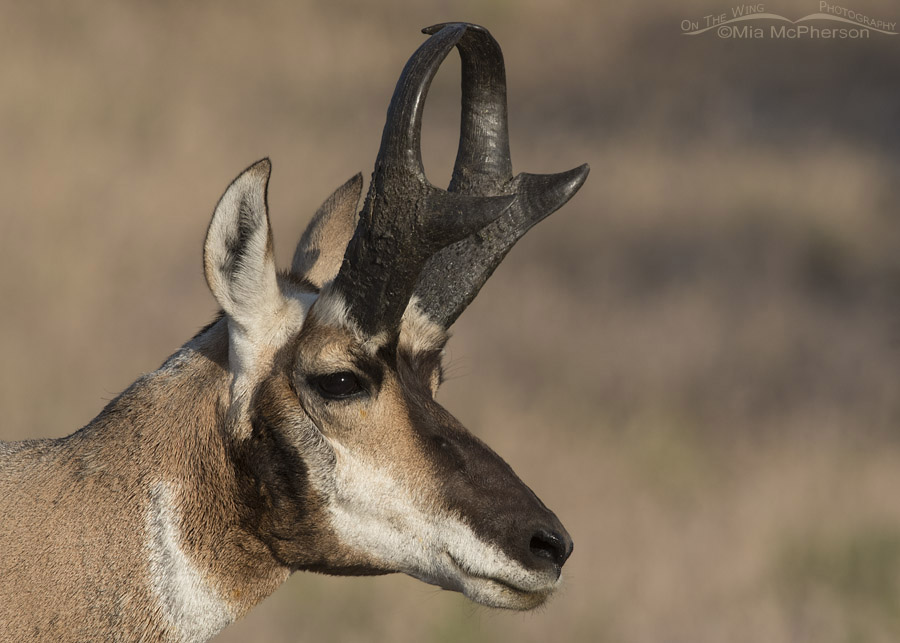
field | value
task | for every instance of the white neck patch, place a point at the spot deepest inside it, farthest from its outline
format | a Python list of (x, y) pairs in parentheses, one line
[(192, 609)]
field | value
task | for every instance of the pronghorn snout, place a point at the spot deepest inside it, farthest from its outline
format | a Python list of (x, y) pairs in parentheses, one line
[(551, 547), (525, 568), (543, 544)]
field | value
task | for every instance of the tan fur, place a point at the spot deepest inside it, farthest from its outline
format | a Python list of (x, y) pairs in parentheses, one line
[(75, 563), (380, 420), (321, 248), (198, 490), (74, 510)]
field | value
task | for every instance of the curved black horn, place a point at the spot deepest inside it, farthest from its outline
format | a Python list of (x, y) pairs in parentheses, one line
[(405, 219), (483, 164), (483, 168), (401, 142)]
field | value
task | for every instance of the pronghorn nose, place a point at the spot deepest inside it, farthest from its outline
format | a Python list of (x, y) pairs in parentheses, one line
[(552, 546)]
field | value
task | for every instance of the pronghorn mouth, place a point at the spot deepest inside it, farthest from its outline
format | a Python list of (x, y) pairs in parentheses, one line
[(494, 591)]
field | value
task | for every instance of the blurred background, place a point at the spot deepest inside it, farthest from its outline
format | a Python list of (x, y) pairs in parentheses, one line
[(695, 363)]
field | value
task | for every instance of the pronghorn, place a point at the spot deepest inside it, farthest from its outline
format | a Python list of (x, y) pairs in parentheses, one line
[(299, 430)]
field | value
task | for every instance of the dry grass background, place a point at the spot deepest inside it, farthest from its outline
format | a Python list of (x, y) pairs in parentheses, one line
[(696, 363)]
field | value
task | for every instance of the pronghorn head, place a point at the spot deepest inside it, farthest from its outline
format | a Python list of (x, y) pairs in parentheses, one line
[(347, 463)]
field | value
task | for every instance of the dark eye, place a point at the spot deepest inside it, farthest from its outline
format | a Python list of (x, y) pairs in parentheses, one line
[(338, 385)]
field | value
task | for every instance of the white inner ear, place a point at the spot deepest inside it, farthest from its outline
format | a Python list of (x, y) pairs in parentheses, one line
[(239, 263)]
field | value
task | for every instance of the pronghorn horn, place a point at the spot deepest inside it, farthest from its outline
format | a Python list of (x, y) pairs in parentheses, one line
[(483, 168), (483, 164), (405, 219)]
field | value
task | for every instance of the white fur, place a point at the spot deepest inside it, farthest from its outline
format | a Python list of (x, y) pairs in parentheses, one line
[(418, 333), (191, 608), (331, 310), (402, 530), (250, 354), (249, 292)]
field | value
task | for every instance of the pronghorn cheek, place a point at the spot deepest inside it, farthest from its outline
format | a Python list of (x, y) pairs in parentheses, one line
[(376, 511)]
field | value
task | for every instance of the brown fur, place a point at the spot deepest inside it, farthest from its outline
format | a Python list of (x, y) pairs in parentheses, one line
[(227, 469), (73, 510)]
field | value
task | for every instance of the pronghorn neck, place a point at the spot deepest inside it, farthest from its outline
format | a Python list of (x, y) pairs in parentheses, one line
[(204, 564), (151, 537)]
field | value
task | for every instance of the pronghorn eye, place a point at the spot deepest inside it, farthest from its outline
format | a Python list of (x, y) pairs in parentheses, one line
[(338, 385)]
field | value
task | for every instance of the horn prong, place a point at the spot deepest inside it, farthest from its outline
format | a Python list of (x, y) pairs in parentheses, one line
[(473, 260)]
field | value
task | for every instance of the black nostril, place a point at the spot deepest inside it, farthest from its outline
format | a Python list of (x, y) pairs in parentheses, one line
[(552, 546)]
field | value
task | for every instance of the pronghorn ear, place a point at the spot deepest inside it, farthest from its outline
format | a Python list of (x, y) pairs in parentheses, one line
[(238, 258), (321, 249)]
